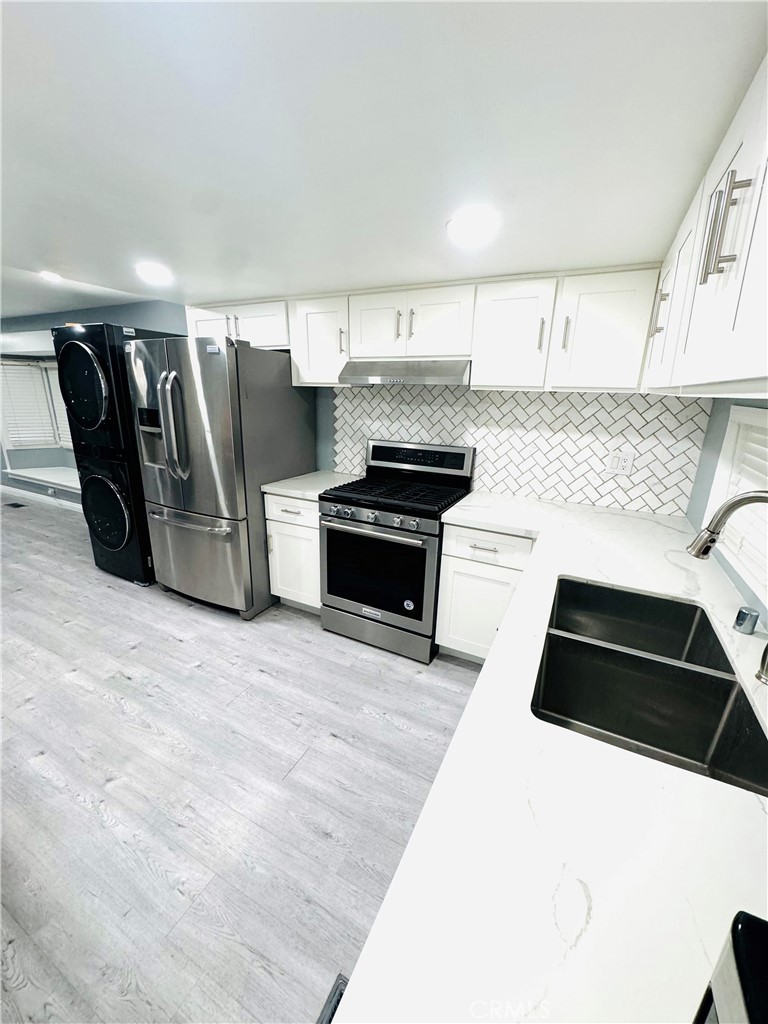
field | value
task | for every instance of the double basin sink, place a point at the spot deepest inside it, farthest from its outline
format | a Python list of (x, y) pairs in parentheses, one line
[(648, 674)]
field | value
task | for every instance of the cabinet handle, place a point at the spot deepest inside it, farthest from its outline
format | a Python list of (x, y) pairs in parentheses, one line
[(731, 184), (411, 315), (709, 248), (237, 324), (541, 335), (292, 511), (654, 328), (229, 329), (566, 325), (341, 341), (479, 547), (397, 324)]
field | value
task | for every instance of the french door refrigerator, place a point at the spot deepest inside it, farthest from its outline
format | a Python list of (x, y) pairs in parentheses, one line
[(215, 420)]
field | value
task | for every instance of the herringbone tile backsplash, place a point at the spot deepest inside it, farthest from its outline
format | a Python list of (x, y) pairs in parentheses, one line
[(543, 445)]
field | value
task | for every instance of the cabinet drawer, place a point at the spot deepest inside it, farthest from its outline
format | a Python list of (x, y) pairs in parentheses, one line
[(484, 546), (292, 510)]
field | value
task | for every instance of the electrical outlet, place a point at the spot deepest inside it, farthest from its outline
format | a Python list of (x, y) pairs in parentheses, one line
[(619, 463)]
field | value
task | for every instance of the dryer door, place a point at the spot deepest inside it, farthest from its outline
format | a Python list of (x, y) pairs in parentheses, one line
[(84, 385), (106, 511)]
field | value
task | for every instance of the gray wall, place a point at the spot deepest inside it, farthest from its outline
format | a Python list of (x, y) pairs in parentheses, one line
[(705, 475), (325, 428), (153, 315)]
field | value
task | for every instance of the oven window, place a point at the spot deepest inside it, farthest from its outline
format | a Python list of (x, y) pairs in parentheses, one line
[(377, 573)]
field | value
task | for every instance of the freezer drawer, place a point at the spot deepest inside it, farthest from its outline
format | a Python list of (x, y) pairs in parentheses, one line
[(201, 556)]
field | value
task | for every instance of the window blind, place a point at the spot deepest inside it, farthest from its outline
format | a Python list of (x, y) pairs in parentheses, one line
[(745, 536), (27, 416), (59, 408)]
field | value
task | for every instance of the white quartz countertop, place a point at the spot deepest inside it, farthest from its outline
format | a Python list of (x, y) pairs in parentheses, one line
[(551, 876), (308, 486)]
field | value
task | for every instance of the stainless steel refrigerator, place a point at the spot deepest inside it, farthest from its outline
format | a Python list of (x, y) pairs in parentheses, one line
[(215, 420)]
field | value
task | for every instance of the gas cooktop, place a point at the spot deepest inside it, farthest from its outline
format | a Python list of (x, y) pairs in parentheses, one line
[(390, 494), (406, 479)]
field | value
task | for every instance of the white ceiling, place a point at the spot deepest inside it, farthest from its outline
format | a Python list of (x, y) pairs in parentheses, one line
[(275, 149)]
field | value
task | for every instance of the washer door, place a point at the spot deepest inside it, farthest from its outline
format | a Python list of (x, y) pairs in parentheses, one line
[(83, 385), (106, 512)]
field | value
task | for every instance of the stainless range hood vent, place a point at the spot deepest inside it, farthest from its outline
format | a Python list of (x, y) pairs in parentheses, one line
[(404, 371)]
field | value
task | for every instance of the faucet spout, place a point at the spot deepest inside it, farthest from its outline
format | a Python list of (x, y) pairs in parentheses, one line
[(706, 539), (762, 672)]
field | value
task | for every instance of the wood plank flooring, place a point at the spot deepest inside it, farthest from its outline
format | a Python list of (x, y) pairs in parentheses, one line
[(201, 816)]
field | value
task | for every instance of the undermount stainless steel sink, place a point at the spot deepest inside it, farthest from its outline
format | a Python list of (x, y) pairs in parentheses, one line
[(648, 674)]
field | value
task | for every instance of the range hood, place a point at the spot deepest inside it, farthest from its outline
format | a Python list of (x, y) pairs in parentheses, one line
[(405, 371)]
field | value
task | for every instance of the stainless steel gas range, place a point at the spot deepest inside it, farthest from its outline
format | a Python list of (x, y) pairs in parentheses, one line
[(380, 540)]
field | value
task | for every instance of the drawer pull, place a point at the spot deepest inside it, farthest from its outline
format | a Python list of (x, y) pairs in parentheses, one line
[(479, 547), (292, 511)]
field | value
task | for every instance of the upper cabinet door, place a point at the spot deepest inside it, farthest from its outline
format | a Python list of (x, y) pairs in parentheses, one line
[(377, 325), (319, 338), (209, 323), (263, 324), (439, 321), (510, 339), (600, 330), (672, 305), (727, 330)]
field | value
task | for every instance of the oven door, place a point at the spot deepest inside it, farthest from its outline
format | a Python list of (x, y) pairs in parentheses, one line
[(380, 574)]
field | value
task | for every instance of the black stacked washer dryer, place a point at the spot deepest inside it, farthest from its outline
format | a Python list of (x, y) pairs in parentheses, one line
[(94, 386)]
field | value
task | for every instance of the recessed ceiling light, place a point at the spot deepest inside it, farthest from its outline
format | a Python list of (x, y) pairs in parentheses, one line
[(473, 226), (154, 273), (48, 275)]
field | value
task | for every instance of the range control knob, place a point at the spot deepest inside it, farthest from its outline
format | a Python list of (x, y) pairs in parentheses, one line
[(372, 517), (347, 512), (333, 510), (397, 521), (414, 524)]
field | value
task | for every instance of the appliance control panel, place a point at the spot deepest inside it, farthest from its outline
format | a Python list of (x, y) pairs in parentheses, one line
[(368, 517)]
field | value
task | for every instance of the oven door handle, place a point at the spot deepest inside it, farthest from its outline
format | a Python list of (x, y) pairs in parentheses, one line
[(413, 542)]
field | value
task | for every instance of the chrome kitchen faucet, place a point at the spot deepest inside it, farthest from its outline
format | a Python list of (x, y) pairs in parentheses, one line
[(706, 539)]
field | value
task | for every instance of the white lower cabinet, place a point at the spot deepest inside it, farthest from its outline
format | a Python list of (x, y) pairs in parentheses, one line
[(479, 572), (294, 562)]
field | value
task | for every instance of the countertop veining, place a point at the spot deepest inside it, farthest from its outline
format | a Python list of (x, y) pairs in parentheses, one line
[(551, 876)]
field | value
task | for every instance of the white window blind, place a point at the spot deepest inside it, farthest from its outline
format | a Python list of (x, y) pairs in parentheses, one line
[(743, 466), (27, 414), (59, 408)]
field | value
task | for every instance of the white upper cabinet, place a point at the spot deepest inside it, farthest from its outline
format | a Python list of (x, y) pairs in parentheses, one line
[(599, 331), (426, 322), (726, 338), (672, 305), (510, 340), (208, 323), (440, 321), (263, 324), (377, 325), (319, 338)]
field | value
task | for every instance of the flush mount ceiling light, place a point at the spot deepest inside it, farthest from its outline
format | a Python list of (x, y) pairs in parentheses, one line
[(49, 275), (473, 226), (153, 273)]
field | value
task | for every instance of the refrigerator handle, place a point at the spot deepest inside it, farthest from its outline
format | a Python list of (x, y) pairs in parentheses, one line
[(173, 378), (164, 428)]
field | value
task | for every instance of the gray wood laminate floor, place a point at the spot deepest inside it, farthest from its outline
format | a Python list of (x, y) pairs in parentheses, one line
[(201, 816)]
